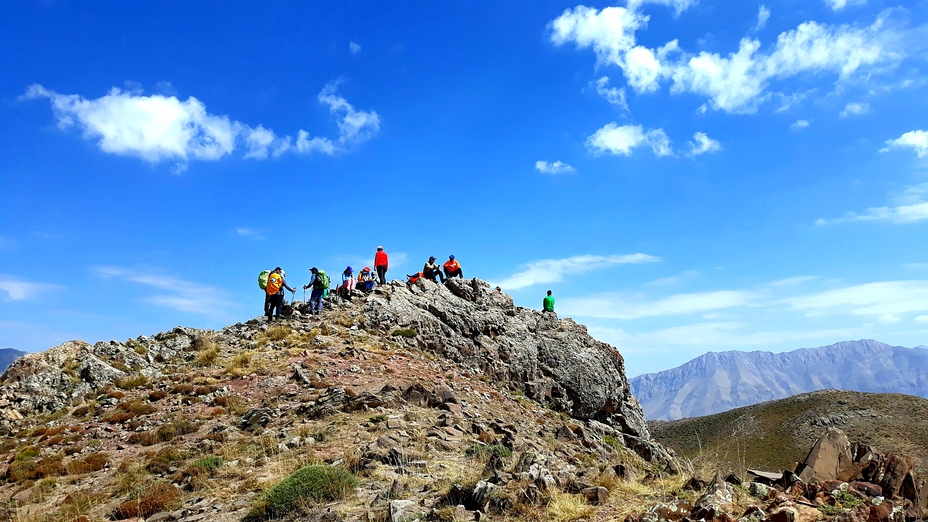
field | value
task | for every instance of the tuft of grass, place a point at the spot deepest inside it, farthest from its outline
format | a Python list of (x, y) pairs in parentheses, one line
[(151, 501), (165, 432), (480, 450), (377, 419), (830, 510), (408, 333), (132, 381), (564, 507), (278, 333), (210, 463), (90, 463), (309, 483)]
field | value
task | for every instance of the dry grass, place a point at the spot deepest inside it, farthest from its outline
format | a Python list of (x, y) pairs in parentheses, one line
[(239, 365), (278, 333), (564, 507), (207, 350)]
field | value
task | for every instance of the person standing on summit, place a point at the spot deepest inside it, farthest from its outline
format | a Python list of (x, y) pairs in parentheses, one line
[(381, 263), (275, 293)]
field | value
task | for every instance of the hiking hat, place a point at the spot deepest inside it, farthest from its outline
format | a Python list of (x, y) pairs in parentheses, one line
[(314, 270), (431, 258), (349, 270), (366, 269), (276, 269), (450, 257), (380, 248)]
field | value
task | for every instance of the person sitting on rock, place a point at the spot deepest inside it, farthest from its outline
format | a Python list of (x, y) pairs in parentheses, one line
[(275, 293), (547, 304), (348, 282), (452, 268), (432, 271), (366, 280)]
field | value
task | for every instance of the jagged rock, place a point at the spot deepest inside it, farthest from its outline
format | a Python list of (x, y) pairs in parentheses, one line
[(716, 500), (466, 321), (833, 458), (256, 417), (758, 490)]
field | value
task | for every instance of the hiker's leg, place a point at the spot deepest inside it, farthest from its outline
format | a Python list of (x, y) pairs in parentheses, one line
[(350, 284)]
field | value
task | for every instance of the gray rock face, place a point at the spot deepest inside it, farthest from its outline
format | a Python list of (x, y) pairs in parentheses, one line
[(47, 381), (717, 382), (554, 361)]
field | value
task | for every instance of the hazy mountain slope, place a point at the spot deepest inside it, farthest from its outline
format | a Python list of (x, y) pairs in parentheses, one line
[(717, 382), (775, 435), (7, 356)]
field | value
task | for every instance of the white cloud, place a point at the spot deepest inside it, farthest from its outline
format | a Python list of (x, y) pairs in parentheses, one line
[(249, 232), (911, 207), (163, 128), (174, 292), (763, 14), (354, 48), (623, 140), (916, 140), (553, 270), (799, 124), (611, 94), (18, 289), (703, 144), (678, 5), (888, 319), (619, 307), (837, 5), (855, 109), (558, 167), (738, 82), (921, 319), (879, 299)]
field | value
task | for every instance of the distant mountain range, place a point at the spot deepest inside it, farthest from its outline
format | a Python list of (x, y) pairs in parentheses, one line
[(716, 382), (7, 356)]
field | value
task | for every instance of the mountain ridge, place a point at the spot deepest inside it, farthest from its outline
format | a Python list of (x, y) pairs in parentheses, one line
[(719, 381)]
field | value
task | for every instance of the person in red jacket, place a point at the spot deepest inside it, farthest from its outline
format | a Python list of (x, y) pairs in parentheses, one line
[(381, 263)]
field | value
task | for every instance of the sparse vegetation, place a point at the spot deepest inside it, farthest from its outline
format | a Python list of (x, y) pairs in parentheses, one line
[(278, 333), (305, 484), (408, 333), (484, 451), (132, 381)]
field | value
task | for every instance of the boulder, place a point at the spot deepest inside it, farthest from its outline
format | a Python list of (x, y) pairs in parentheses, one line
[(831, 458)]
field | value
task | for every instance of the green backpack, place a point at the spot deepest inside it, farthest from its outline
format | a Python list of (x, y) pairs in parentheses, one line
[(322, 281), (262, 279)]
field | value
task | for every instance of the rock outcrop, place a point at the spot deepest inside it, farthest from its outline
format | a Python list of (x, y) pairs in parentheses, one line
[(553, 361)]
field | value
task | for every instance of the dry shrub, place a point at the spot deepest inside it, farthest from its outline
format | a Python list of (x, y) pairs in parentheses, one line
[(118, 417), (89, 464), (157, 395), (151, 501), (207, 357), (51, 432), (235, 404), (132, 381), (183, 389), (79, 503), (136, 407), (116, 394), (277, 333), (85, 410), (53, 440), (564, 507), (20, 471)]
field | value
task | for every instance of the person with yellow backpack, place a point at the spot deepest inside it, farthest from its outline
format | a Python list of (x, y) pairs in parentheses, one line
[(275, 293)]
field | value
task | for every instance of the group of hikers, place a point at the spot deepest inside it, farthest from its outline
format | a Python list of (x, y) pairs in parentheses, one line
[(274, 282)]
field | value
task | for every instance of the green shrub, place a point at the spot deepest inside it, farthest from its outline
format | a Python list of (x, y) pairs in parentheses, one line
[(485, 451), (846, 499), (376, 419), (408, 333), (307, 483), (830, 510)]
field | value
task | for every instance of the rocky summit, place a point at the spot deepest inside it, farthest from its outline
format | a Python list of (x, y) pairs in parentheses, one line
[(419, 401)]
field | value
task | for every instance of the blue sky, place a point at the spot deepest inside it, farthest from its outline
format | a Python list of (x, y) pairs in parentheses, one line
[(687, 176)]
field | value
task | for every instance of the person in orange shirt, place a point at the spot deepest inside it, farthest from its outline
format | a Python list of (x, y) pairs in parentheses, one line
[(275, 293), (452, 268)]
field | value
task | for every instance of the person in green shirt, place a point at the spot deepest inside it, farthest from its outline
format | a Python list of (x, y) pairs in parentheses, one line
[(548, 303)]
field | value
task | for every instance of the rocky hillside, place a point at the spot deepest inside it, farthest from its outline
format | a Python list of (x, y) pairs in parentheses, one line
[(7, 356), (414, 401), (775, 435), (717, 382)]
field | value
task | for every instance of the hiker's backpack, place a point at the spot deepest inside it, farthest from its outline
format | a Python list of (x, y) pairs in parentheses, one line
[(262, 279), (415, 277), (322, 281)]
